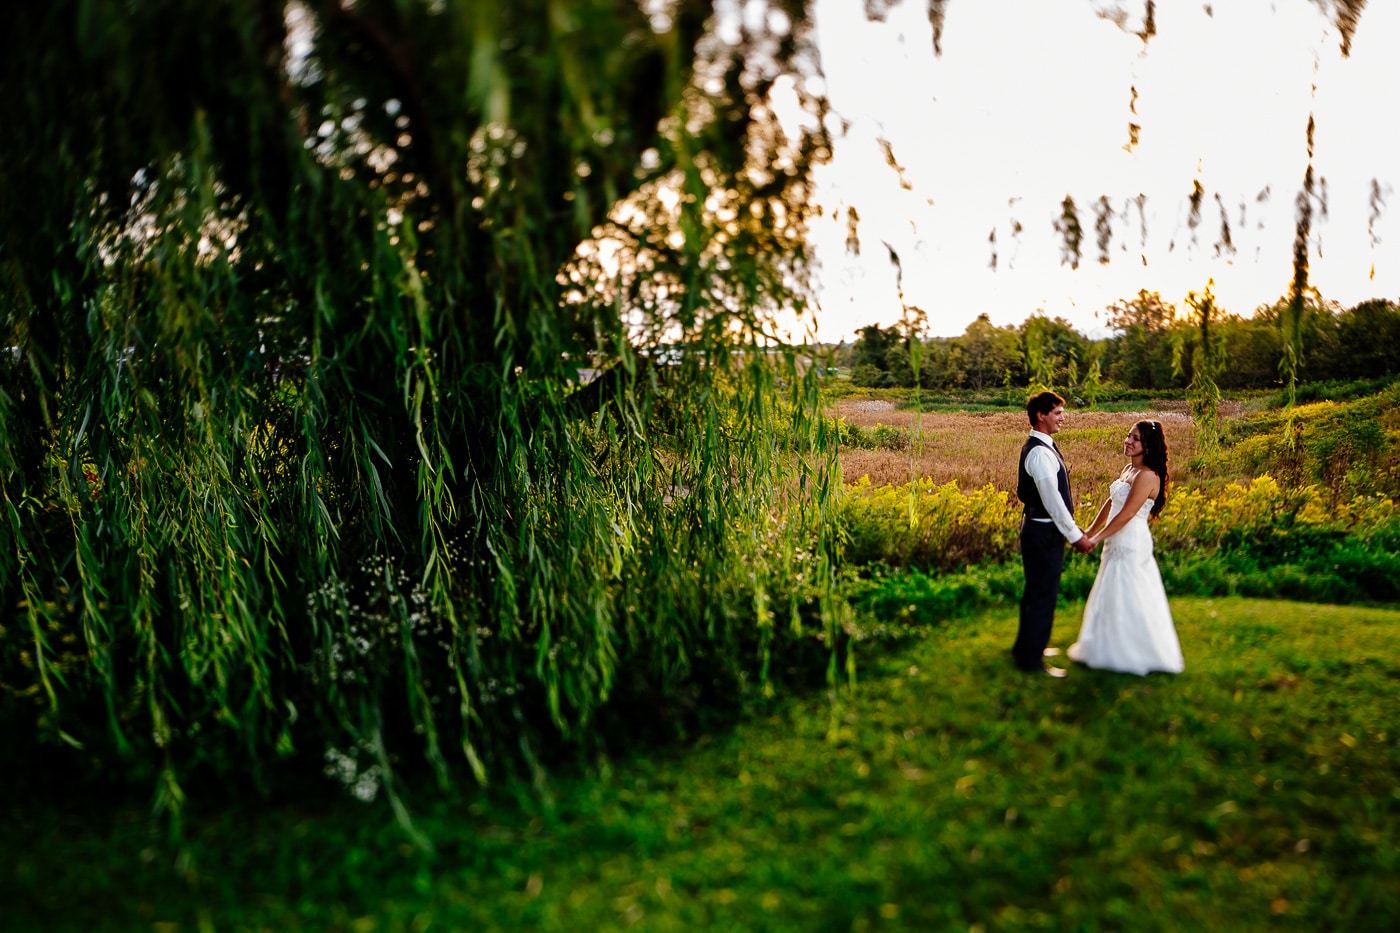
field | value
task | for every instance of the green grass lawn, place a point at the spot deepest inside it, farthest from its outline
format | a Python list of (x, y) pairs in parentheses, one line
[(1258, 790)]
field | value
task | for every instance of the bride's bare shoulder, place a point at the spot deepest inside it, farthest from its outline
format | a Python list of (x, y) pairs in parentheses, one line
[(1147, 481)]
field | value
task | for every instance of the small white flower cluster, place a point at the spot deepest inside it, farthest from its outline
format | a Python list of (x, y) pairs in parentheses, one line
[(345, 767), (369, 616), (494, 690)]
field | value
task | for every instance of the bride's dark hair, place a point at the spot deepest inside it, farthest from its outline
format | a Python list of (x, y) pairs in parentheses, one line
[(1154, 457)]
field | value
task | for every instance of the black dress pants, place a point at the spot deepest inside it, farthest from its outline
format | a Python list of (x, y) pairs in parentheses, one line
[(1043, 560)]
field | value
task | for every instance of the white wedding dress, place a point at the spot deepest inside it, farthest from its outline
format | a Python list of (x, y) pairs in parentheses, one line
[(1127, 622)]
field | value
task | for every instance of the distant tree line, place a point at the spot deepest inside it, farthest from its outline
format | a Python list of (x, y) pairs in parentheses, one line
[(1151, 347)]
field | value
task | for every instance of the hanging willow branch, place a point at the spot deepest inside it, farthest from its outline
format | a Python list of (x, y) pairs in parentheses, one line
[(1206, 347), (299, 455)]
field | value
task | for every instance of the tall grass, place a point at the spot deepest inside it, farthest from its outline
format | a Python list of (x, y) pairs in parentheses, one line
[(974, 450)]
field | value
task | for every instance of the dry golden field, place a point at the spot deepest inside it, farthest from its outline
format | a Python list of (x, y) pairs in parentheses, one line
[(974, 449)]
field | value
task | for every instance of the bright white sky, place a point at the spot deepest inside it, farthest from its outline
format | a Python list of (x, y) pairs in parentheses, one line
[(1030, 101)]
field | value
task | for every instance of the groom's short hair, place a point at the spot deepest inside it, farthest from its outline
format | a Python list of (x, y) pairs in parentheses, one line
[(1042, 403)]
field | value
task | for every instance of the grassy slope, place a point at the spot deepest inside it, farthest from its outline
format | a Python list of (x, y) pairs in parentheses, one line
[(1259, 790)]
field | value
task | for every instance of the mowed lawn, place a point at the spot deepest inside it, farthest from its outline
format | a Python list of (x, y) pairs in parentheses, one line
[(1259, 790)]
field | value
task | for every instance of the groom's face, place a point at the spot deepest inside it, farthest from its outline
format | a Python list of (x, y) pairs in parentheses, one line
[(1050, 421)]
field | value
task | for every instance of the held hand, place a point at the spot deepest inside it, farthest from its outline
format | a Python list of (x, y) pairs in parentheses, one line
[(1085, 544)]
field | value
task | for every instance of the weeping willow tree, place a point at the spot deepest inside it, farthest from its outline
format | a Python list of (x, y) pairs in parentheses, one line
[(389, 377)]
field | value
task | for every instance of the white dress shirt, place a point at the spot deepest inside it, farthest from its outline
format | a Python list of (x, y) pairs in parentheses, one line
[(1044, 467)]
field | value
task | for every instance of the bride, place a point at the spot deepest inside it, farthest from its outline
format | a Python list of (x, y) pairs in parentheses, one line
[(1127, 622)]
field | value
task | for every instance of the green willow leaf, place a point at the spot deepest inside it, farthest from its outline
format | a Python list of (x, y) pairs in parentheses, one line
[(297, 453)]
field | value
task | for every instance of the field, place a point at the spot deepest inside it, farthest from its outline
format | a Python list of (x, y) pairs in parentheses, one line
[(1259, 790), (976, 449)]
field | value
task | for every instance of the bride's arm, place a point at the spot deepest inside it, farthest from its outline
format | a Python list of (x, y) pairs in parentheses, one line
[(1100, 518), (1144, 487)]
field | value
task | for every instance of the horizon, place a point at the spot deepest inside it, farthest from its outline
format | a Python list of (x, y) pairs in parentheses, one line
[(1106, 332), (958, 163)]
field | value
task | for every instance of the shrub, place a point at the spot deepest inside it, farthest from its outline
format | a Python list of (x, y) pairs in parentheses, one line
[(893, 603), (1250, 539), (1334, 391), (880, 437), (1345, 446), (867, 375), (928, 526)]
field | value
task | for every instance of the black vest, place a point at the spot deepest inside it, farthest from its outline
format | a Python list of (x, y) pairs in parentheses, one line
[(1026, 489)]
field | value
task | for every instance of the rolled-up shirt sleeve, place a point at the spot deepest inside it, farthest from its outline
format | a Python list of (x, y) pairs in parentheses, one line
[(1043, 467)]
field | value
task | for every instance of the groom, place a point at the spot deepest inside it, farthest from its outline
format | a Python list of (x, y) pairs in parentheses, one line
[(1042, 485)]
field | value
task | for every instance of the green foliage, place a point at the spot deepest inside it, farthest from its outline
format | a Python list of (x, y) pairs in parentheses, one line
[(1206, 350), (900, 364), (866, 375), (1347, 447), (1039, 364), (1053, 351), (1336, 391), (1331, 569), (926, 525), (985, 356), (1291, 320), (896, 602), (873, 345), (840, 386), (1317, 520), (888, 357), (880, 437), (1092, 386), (1259, 541), (1109, 398), (1139, 355), (1367, 342), (1254, 539), (1153, 352), (296, 455)]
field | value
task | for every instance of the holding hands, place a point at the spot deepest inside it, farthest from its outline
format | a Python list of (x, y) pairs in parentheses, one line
[(1144, 484)]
